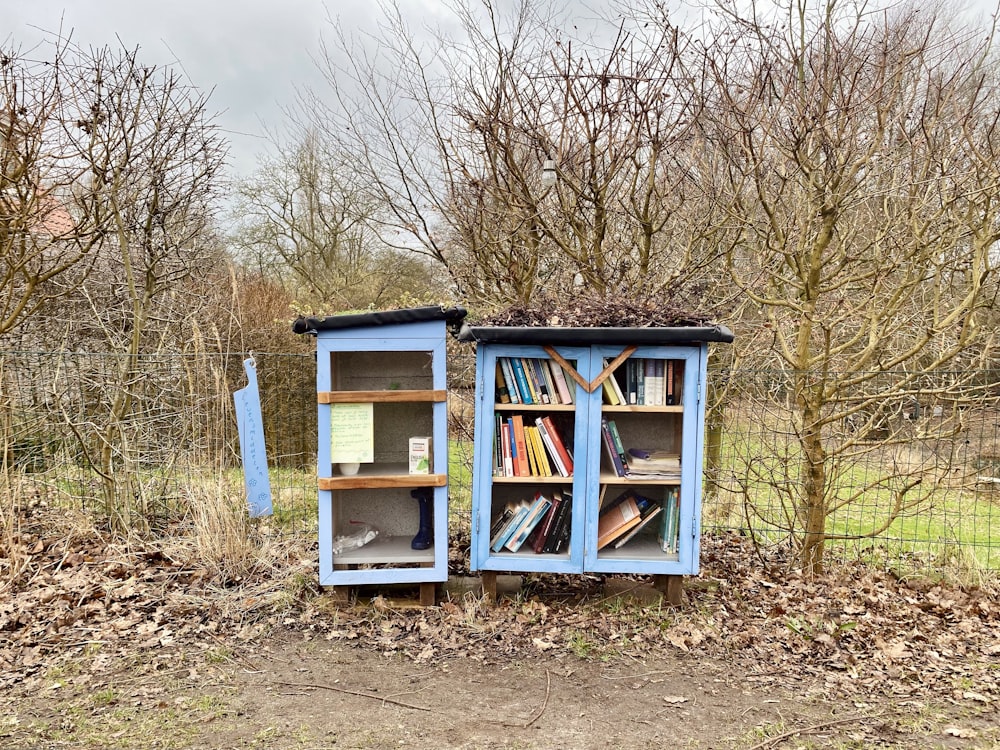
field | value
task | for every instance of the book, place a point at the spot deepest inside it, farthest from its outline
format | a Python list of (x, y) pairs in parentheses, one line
[(529, 447), (518, 512), (559, 445), (669, 534), (648, 383), (505, 446), (609, 448), (548, 522), (502, 394), (529, 378), (562, 386), (619, 445), (653, 464), (648, 516), (609, 392), (619, 394), (500, 521), (531, 432), (521, 379), (562, 526), (656, 386), (535, 513), (539, 381), (521, 466), (670, 396), (508, 379), (550, 448), (497, 446), (618, 519), (550, 384)]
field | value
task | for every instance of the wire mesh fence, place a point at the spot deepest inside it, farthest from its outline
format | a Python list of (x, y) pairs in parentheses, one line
[(912, 481)]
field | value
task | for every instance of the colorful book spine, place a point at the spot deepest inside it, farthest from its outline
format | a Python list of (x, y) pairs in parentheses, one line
[(502, 394), (562, 385), (565, 456), (562, 526), (609, 448), (547, 524), (619, 445), (535, 514), (521, 466), (522, 381), (505, 533), (538, 381), (509, 381)]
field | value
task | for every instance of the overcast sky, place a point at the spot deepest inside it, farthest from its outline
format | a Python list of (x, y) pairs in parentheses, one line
[(251, 54)]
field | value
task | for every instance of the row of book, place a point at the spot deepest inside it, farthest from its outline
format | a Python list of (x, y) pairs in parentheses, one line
[(623, 518), (531, 380), (638, 463), (523, 449), (541, 524), (643, 382)]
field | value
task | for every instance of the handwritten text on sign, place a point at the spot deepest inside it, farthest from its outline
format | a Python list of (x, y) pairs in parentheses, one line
[(352, 433)]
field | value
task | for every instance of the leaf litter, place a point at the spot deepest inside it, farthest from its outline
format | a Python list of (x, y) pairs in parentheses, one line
[(858, 635)]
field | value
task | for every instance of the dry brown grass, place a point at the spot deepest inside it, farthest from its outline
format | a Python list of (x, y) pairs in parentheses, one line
[(224, 541)]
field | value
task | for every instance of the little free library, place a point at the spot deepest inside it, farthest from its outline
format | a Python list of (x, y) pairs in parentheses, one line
[(587, 455)]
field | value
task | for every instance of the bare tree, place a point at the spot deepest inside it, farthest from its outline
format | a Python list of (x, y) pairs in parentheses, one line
[(48, 224), (857, 152), (152, 159), (304, 223), (519, 156)]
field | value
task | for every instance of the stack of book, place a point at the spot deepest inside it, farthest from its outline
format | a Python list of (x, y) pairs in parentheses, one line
[(522, 449), (542, 524), (623, 518), (651, 464), (530, 380)]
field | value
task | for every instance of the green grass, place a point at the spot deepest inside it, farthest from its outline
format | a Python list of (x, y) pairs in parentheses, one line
[(956, 525)]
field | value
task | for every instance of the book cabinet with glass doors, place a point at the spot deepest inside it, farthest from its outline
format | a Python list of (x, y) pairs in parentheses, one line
[(633, 426), (381, 384)]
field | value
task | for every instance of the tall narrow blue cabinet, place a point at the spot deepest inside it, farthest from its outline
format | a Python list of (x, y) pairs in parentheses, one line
[(389, 368), (660, 373)]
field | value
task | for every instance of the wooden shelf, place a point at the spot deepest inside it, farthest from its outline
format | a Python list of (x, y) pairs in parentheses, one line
[(607, 478), (635, 408), (533, 480), (534, 407), (643, 548), (382, 477), (388, 550), (381, 397)]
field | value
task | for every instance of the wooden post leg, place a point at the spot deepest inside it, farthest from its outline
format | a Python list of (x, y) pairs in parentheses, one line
[(489, 578), (428, 594), (340, 594), (672, 588)]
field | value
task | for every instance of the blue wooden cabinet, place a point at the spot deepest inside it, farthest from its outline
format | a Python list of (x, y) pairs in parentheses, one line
[(393, 364), (661, 412)]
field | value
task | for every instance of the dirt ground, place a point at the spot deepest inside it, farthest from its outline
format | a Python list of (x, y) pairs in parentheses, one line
[(104, 648), (287, 692)]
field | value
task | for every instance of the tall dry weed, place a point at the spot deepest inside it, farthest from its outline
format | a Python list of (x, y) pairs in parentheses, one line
[(225, 542)]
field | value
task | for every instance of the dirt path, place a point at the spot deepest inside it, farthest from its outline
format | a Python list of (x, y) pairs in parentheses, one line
[(329, 695)]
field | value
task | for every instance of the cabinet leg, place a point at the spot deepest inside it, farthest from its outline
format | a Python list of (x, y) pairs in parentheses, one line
[(428, 594), (340, 594), (489, 586), (672, 588)]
